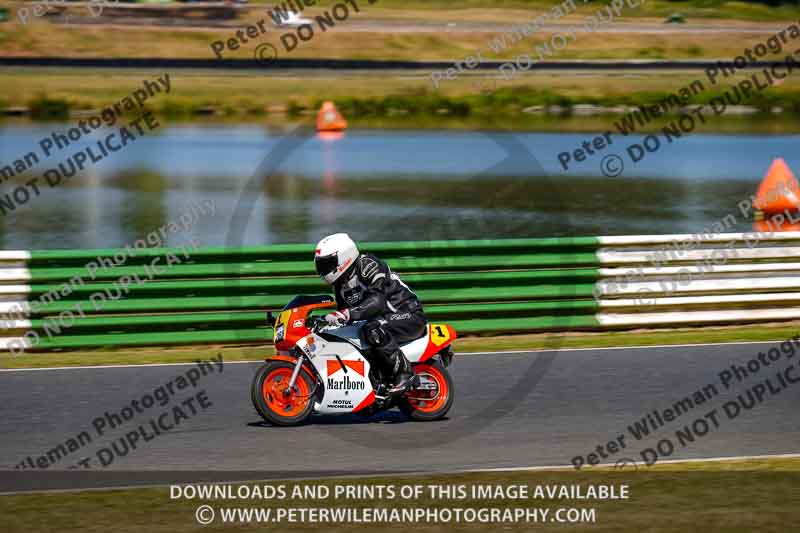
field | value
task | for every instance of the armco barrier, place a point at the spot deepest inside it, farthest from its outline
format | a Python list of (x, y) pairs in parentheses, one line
[(49, 299)]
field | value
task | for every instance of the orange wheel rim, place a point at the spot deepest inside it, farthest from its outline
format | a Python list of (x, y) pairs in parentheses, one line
[(429, 401), (278, 399)]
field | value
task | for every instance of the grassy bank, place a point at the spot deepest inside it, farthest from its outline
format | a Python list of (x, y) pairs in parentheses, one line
[(544, 341), (483, 10), (425, 31), (392, 96), (43, 39), (756, 495)]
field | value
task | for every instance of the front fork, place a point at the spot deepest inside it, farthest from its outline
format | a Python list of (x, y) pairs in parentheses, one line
[(295, 373)]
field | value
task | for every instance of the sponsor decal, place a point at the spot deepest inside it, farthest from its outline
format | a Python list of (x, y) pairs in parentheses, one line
[(311, 346), (335, 366), (345, 265), (439, 334), (345, 384), (353, 293), (370, 267)]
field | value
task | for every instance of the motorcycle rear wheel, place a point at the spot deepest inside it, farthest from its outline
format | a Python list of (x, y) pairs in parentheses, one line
[(272, 400), (432, 404)]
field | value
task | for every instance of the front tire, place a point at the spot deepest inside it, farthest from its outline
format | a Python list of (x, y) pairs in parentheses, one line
[(273, 403), (434, 398)]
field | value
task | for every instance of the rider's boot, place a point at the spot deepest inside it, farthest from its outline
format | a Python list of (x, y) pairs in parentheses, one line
[(404, 377)]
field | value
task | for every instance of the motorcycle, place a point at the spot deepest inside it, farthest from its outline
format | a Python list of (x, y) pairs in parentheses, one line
[(322, 369)]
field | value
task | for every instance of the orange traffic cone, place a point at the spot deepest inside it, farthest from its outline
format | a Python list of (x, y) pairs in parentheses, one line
[(779, 190), (329, 118), (778, 223)]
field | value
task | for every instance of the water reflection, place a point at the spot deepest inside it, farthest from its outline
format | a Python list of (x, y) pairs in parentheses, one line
[(145, 210), (381, 185)]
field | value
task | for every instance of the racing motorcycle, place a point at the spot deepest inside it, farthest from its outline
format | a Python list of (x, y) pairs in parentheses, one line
[(322, 369)]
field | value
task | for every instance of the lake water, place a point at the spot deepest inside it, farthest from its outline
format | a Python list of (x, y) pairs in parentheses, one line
[(272, 186)]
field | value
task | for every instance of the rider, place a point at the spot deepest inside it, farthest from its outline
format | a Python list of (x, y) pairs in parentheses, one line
[(367, 289)]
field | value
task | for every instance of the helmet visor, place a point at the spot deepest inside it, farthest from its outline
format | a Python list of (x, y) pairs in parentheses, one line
[(326, 265)]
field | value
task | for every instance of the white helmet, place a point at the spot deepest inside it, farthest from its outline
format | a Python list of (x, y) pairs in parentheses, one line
[(334, 255)]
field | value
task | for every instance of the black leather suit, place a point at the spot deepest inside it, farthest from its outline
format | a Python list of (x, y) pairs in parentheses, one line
[(372, 292)]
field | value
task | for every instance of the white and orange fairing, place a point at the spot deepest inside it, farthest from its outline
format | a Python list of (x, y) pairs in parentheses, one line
[(437, 337), (340, 364)]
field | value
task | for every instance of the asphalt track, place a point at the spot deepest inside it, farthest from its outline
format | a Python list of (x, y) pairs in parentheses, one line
[(378, 25), (512, 410)]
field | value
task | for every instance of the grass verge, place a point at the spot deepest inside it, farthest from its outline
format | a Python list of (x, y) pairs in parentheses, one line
[(773, 332), (730, 496), (441, 32), (388, 97)]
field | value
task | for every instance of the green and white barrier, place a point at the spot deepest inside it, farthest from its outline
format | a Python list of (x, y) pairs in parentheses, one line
[(70, 299)]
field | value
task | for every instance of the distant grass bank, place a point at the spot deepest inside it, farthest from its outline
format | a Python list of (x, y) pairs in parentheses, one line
[(398, 97), (542, 341)]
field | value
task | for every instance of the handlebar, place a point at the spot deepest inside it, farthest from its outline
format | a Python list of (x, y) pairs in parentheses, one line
[(315, 323)]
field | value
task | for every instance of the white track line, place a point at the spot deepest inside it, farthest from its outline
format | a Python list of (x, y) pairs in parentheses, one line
[(405, 474), (504, 352), (100, 367), (679, 238), (645, 346), (631, 467)]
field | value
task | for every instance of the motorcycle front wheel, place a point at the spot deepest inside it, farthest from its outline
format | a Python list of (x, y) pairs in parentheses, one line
[(272, 399)]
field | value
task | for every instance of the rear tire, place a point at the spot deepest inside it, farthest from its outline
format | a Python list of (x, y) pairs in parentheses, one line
[(270, 400), (425, 406)]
